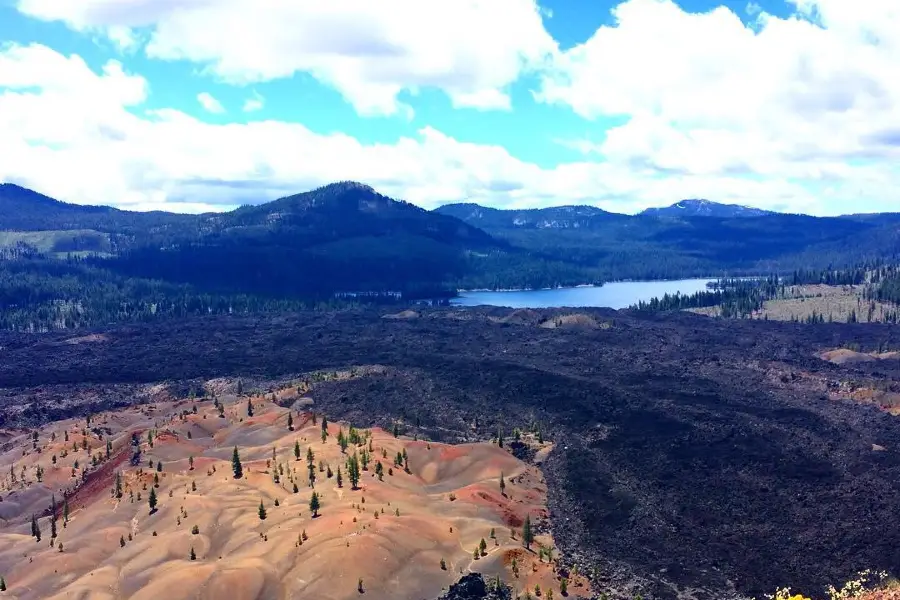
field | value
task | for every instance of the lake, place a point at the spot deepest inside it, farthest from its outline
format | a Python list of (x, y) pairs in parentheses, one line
[(621, 294)]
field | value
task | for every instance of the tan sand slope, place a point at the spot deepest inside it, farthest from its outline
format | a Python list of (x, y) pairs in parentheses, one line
[(391, 533)]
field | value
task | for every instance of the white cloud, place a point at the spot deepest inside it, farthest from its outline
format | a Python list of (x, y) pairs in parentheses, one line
[(369, 51), (124, 38), (704, 94), (85, 136), (254, 102), (209, 103)]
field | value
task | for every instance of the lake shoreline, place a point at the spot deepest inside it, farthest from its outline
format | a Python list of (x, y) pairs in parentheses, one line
[(616, 295), (585, 285)]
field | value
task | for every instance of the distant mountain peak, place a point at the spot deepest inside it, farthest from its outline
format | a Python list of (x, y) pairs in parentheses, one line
[(700, 207)]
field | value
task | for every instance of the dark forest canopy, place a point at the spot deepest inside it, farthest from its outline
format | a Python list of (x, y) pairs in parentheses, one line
[(67, 265)]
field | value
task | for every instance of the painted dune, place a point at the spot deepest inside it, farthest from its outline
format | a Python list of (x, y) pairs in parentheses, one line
[(392, 532)]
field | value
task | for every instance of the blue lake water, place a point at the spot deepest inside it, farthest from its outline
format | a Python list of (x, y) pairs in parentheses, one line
[(616, 295)]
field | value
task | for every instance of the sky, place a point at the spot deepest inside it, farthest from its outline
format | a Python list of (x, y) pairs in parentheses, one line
[(203, 105)]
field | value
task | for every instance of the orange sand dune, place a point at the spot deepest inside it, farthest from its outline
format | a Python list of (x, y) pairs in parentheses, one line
[(392, 534)]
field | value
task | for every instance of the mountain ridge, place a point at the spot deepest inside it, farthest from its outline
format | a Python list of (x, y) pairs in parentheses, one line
[(706, 208)]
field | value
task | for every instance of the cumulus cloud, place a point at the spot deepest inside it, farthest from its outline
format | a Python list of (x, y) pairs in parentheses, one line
[(368, 51), (209, 103), (706, 94), (91, 131)]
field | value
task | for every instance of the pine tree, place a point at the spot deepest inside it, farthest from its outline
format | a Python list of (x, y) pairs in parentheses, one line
[(121, 541), (314, 504), (502, 484), (118, 485), (193, 554), (236, 464), (262, 511), (324, 436), (240, 387), (527, 533), (52, 529), (35, 528), (310, 456), (108, 448), (325, 424), (340, 479), (297, 450), (342, 441), (443, 565), (353, 471), (249, 407), (190, 463), (290, 421), (151, 500)]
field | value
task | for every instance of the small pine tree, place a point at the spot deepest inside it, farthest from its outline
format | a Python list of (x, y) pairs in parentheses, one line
[(249, 407), (290, 422), (193, 554), (52, 529), (118, 484), (262, 511), (527, 533), (314, 504), (443, 565), (359, 586), (502, 485), (564, 586), (340, 479), (151, 500), (35, 528), (190, 463), (122, 541), (482, 546), (297, 449), (353, 471), (195, 529), (236, 464)]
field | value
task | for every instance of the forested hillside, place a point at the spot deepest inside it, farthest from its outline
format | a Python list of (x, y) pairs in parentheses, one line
[(67, 265), (668, 246)]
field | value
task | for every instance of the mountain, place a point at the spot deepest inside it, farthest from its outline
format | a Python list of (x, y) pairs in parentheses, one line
[(340, 237), (558, 217), (690, 238), (706, 208), (347, 237), (22, 209)]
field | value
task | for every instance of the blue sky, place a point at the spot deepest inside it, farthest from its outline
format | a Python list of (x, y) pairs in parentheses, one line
[(622, 105)]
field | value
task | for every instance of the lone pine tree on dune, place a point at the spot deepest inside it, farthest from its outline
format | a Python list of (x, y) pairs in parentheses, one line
[(527, 533), (314, 504), (236, 464)]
